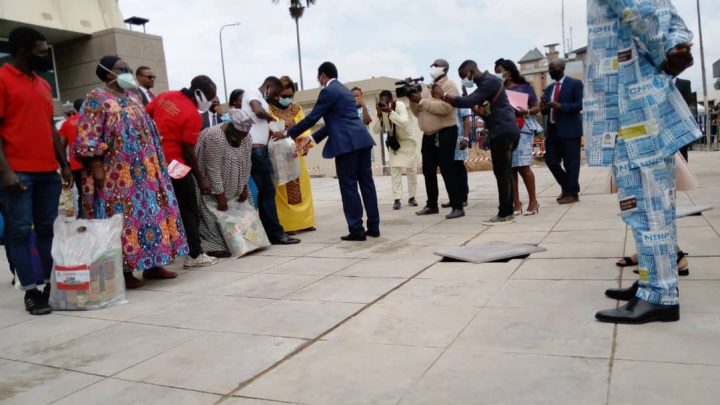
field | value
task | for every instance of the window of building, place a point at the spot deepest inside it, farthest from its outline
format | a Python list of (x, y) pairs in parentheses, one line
[(50, 75)]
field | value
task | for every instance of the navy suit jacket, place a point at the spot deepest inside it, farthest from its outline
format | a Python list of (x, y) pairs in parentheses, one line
[(343, 128), (569, 121)]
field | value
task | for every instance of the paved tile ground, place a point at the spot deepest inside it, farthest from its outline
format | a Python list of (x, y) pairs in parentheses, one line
[(384, 322)]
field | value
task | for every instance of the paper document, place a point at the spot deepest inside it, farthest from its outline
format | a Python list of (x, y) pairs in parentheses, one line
[(178, 170), (518, 99)]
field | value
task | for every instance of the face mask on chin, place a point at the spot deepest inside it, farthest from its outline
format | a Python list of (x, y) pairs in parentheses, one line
[(203, 104)]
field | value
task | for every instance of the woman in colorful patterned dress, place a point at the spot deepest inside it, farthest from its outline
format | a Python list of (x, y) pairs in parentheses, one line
[(522, 159), (125, 173), (294, 200)]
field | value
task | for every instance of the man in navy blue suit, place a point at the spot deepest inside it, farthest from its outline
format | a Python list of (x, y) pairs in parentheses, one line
[(350, 144), (562, 103)]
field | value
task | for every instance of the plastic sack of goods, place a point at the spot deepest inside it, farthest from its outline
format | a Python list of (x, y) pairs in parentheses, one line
[(88, 264), (241, 228), (284, 156)]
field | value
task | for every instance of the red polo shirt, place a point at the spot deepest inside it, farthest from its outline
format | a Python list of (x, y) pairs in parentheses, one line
[(68, 130), (178, 120), (26, 111)]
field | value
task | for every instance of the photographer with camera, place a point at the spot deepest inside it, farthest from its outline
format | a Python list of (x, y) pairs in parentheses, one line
[(394, 121), (437, 120), (490, 101)]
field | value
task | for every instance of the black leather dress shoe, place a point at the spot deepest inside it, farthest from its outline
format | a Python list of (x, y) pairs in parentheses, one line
[(455, 214), (285, 240), (623, 294), (354, 238), (445, 205), (637, 311), (373, 234), (428, 211)]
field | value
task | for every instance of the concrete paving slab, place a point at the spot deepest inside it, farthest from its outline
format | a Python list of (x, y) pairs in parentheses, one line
[(478, 377), (22, 383), (664, 383), (119, 392), (213, 362), (331, 373), (553, 331)]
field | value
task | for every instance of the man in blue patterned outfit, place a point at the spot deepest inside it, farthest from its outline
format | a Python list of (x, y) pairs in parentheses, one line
[(636, 120)]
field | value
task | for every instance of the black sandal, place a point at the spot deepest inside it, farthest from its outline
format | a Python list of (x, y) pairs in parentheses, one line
[(681, 272), (628, 262)]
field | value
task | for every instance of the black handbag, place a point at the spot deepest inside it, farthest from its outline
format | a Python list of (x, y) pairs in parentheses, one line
[(392, 142)]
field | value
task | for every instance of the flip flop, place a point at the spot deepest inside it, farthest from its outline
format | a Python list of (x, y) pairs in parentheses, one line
[(681, 272), (628, 262)]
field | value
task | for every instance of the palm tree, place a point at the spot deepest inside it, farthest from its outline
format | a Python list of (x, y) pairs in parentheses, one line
[(296, 12)]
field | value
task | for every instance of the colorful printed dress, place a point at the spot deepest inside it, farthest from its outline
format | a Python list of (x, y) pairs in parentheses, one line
[(137, 183)]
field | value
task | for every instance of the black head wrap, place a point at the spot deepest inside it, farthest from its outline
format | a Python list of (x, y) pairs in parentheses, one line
[(108, 62)]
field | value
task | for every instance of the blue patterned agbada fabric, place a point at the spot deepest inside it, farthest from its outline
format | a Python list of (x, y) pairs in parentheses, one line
[(627, 95)]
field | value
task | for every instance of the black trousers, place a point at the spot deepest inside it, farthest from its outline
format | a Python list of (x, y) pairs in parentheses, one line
[(442, 156), (501, 149), (566, 151), (189, 212), (262, 174), (463, 179)]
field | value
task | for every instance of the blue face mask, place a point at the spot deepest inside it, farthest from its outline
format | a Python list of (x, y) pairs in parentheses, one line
[(468, 83), (285, 101)]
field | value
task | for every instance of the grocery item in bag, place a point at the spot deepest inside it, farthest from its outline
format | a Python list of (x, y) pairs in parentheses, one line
[(284, 156), (88, 264), (241, 228)]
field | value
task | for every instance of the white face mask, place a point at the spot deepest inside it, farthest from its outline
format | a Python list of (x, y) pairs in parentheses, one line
[(436, 71), (203, 104), (126, 81), (501, 76)]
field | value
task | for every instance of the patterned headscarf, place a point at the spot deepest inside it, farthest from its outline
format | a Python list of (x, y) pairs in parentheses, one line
[(240, 119)]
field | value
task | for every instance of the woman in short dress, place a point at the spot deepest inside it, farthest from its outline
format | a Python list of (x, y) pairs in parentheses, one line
[(522, 158), (125, 173)]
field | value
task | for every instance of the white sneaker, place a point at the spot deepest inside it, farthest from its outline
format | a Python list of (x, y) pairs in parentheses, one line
[(201, 261)]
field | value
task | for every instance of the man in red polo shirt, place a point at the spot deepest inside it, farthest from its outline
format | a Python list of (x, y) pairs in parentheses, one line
[(177, 117), (30, 153), (68, 133)]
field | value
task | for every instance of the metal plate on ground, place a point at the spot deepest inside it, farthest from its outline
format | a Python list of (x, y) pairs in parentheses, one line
[(690, 210), (489, 252)]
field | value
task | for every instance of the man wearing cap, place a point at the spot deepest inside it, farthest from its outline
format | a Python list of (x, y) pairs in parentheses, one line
[(437, 120)]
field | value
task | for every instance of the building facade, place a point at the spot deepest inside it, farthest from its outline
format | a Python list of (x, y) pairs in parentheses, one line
[(80, 32)]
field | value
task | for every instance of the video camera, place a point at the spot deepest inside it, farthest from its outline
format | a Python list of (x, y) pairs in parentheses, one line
[(408, 86)]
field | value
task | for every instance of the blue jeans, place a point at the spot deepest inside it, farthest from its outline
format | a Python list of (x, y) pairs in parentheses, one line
[(38, 207), (262, 174)]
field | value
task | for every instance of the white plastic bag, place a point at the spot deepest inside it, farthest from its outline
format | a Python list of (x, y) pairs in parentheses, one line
[(88, 264), (285, 162), (241, 228)]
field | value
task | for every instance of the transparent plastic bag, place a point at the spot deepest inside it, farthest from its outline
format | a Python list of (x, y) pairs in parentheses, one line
[(88, 264), (285, 162), (241, 228)]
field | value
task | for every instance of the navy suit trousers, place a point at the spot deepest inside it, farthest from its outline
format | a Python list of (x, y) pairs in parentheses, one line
[(354, 171), (565, 151)]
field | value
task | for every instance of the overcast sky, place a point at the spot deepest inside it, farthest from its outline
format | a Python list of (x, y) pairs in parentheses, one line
[(371, 38)]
